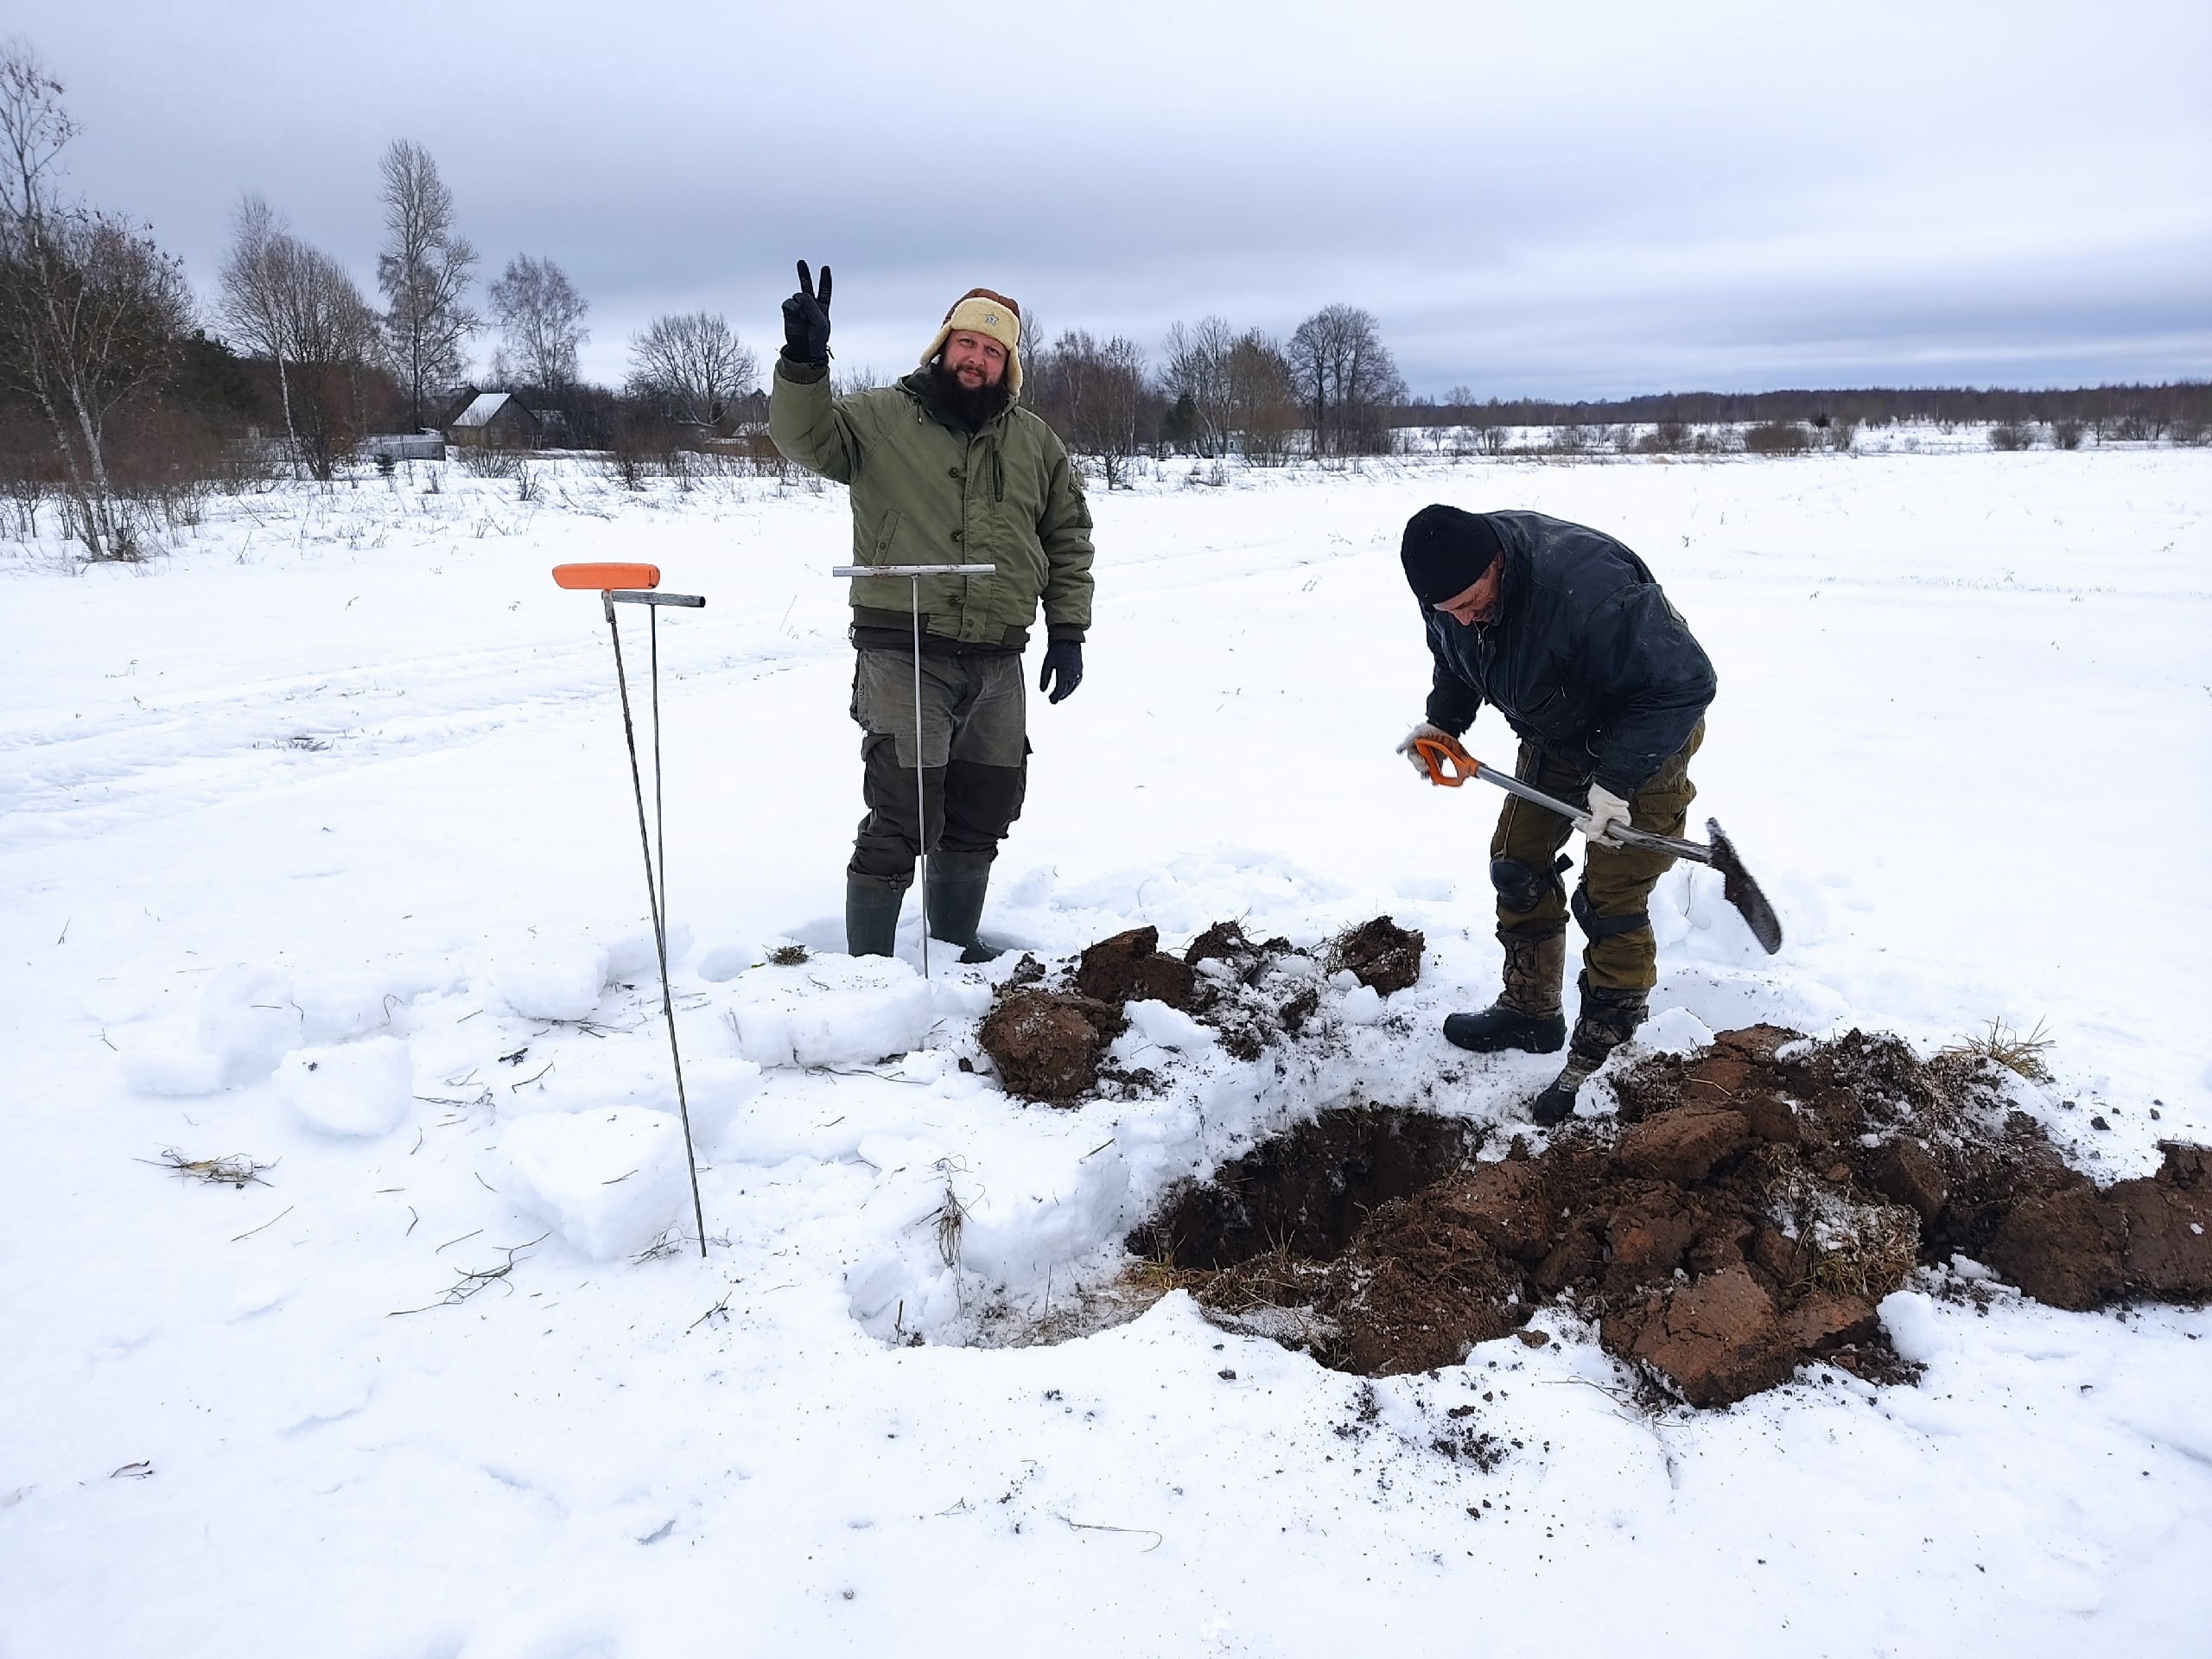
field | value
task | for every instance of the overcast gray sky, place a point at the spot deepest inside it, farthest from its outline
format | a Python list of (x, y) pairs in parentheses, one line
[(1571, 200)]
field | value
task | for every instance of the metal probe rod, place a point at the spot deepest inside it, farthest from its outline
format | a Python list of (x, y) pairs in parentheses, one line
[(914, 573)]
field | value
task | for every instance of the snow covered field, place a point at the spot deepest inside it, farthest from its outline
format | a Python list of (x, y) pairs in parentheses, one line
[(302, 823)]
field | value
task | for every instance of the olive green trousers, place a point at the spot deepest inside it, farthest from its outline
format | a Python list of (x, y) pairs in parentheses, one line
[(1620, 954)]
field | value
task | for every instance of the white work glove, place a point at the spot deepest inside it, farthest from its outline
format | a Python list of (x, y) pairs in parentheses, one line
[(1608, 812), (1413, 755)]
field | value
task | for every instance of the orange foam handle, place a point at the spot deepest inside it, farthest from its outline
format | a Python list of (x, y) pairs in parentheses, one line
[(1448, 764), (598, 578)]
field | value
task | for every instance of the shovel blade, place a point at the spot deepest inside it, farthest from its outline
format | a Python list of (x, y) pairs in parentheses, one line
[(1741, 891)]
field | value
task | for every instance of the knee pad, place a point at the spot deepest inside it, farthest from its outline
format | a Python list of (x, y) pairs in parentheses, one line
[(1520, 886), (1594, 926)]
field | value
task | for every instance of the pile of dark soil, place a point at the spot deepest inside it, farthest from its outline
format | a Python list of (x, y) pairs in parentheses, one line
[(1048, 1033), (1742, 1216)]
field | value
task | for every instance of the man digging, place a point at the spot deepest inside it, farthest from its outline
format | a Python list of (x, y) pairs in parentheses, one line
[(943, 468), (1567, 634)]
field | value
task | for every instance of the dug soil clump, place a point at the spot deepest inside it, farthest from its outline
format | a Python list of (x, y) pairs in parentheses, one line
[(1743, 1215), (1050, 1030), (1380, 954)]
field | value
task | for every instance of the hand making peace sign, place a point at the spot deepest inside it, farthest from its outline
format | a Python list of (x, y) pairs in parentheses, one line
[(806, 319)]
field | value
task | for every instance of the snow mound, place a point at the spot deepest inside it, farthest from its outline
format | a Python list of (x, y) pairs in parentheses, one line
[(563, 984), (249, 1021), (833, 1011), (607, 1182), (364, 1089), (1909, 1316)]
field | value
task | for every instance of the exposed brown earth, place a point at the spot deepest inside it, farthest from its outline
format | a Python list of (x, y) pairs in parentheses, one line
[(1251, 994), (1742, 1216)]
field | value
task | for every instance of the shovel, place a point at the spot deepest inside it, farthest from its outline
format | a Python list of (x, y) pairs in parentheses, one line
[(1451, 766)]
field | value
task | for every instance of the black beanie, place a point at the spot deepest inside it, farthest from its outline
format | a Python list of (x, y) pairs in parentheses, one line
[(1446, 551)]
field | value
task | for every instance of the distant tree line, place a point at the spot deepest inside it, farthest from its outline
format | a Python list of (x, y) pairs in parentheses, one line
[(122, 403), (2180, 410)]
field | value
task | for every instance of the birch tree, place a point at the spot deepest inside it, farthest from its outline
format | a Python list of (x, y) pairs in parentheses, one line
[(424, 273), (251, 306), (541, 324), (91, 312)]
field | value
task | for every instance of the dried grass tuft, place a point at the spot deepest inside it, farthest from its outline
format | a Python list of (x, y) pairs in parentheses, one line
[(234, 1170), (2002, 1046)]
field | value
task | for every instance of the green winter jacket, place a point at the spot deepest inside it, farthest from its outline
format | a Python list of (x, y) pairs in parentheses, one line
[(926, 492)]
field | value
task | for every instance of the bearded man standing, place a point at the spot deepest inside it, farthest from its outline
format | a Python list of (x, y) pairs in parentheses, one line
[(943, 468), (1565, 632)]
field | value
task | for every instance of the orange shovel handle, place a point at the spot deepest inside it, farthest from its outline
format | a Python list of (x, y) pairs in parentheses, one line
[(602, 578), (1448, 762)]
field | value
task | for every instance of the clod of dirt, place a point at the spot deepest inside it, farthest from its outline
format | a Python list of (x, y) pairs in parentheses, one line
[(1382, 955), (1131, 967), (1717, 1340), (1046, 1045), (1744, 1215)]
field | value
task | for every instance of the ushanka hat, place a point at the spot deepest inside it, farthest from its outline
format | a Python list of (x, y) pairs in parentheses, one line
[(1446, 551), (979, 311)]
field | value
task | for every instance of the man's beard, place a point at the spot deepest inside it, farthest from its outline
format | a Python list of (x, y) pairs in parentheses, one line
[(974, 407)]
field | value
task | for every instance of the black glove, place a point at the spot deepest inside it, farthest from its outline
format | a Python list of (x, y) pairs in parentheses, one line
[(1063, 662), (806, 319)]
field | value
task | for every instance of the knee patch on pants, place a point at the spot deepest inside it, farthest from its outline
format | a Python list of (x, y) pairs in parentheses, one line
[(1520, 886), (1595, 927)]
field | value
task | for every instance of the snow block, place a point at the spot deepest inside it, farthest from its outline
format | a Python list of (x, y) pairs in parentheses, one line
[(172, 1071), (364, 1089), (336, 1007), (720, 963), (853, 1012), (1363, 1005), (1673, 1031), (635, 958), (249, 1021), (716, 1090), (563, 984), (609, 1182), (1156, 1025)]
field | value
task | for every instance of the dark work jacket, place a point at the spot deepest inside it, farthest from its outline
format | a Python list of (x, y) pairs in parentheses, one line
[(1586, 659)]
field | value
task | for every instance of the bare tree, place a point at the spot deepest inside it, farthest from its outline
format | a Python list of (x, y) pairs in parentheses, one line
[(1197, 367), (91, 313), (692, 365), (424, 273), (1347, 379), (251, 286), (331, 334), (1262, 397), (541, 324), (1093, 393)]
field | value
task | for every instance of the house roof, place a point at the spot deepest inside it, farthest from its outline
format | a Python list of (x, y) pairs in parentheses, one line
[(483, 407)]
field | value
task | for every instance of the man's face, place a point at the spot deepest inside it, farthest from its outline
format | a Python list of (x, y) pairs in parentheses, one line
[(1479, 602), (975, 360)]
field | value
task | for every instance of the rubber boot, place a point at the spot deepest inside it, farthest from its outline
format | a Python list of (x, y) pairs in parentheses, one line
[(954, 898), (871, 916), (1527, 1015), (1607, 1020)]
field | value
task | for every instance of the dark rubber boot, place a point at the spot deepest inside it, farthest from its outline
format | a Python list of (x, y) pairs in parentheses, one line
[(1527, 1015), (957, 883), (871, 916), (1607, 1020)]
